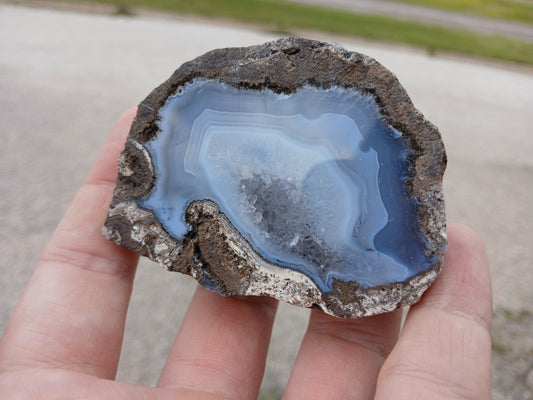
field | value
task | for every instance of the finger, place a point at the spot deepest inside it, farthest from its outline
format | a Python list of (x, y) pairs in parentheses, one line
[(221, 346), (61, 384), (444, 349), (340, 358), (73, 310)]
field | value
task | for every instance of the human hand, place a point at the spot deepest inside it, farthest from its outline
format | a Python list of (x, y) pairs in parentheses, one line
[(64, 338)]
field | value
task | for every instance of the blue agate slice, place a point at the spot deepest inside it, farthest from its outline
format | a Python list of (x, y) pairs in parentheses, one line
[(314, 180), (293, 169)]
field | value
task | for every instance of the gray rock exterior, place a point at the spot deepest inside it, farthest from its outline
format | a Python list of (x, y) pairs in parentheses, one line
[(213, 248)]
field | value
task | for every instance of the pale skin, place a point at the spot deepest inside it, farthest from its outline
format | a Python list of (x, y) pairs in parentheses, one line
[(64, 338)]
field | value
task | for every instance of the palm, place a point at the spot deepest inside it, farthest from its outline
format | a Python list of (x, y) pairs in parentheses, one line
[(65, 337)]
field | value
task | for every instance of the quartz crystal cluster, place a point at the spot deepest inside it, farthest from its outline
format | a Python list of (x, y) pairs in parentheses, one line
[(293, 169)]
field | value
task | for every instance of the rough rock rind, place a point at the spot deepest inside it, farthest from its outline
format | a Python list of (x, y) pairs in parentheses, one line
[(213, 250)]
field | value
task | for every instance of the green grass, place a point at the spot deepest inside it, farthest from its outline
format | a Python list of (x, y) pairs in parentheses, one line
[(281, 16), (514, 10)]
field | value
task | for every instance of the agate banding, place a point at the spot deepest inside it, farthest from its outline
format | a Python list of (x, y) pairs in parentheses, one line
[(293, 169)]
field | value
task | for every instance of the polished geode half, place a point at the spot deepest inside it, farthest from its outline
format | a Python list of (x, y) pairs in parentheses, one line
[(293, 169)]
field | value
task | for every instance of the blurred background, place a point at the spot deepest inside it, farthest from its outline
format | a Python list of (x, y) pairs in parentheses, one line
[(68, 69)]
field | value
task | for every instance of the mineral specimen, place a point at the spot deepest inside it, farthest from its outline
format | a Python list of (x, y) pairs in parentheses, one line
[(293, 169)]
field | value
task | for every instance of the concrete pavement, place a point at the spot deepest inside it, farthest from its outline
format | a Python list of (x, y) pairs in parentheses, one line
[(65, 77)]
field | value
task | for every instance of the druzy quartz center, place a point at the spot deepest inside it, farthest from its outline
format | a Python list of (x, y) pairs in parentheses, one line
[(298, 175), (293, 169)]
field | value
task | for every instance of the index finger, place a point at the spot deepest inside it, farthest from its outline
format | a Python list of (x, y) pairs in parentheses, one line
[(444, 349), (73, 311)]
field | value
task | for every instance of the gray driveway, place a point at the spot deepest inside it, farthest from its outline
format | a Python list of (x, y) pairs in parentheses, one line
[(65, 77)]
